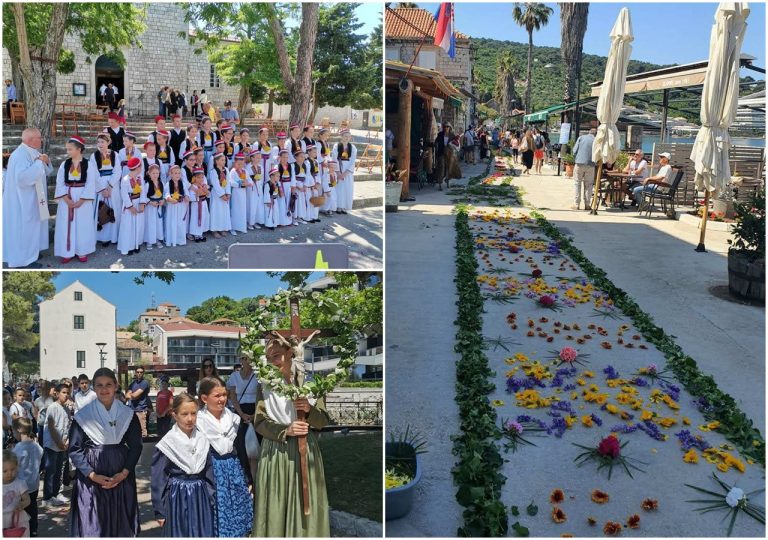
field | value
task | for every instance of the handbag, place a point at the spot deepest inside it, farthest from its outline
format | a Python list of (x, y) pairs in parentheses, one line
[(14, 531), (252, 447), (524, 145), (106, 215)]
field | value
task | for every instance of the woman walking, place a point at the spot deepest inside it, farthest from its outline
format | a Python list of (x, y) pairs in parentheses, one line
[(527, 147)]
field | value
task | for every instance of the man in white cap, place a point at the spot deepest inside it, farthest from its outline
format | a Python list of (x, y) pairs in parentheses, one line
[(25, 203), (664, 176)]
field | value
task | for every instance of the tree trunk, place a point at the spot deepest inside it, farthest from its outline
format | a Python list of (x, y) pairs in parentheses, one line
[(312, 115), (38, 69), (270, 103), (17, 80), (573, 26), (299, 85), (529, 82), (244, 104)]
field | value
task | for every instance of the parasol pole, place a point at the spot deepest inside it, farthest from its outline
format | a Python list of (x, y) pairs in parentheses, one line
[(700, 248), (596, 189)]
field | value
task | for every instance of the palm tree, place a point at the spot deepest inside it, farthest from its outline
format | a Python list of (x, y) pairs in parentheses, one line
[(531, 16), (573, 26), (505, 84)]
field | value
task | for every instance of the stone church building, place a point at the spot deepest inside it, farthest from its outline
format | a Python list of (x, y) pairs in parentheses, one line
[(165, 58)]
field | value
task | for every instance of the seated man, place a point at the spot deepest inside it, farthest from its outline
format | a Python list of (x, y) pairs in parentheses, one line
[(638, 168), (664, 176)]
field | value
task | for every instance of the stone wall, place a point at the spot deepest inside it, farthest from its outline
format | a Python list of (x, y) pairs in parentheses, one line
[(334, 114)]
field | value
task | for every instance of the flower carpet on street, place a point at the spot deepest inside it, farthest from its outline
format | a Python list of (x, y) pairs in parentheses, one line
[(592, 424)]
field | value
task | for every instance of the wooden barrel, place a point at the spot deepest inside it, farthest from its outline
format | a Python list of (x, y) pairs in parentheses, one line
[(746, 279)]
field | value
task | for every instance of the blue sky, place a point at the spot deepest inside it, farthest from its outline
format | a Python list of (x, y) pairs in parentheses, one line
[(370, 14), (665, 33), (190, 288)]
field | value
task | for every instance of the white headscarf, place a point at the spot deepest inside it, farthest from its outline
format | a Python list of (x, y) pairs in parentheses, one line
[(105, 427), (188, 453), (220, 432)]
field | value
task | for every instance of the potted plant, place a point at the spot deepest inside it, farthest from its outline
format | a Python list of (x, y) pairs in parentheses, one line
[(403, 471), (394, 188), (569, 160), (621, 161), (725, 203), (746, 256)]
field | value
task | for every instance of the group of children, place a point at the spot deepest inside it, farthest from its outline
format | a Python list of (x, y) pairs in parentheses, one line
[(199, 487), (192, 181)]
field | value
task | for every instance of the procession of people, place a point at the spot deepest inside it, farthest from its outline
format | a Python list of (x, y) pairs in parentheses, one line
[(183, 184), (205, 480)]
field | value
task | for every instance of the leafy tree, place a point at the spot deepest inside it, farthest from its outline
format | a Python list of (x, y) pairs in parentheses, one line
[(22, 293), (165, 277), (505, 93), (347, 65), (214, 308), (133, 326), (531, 16), (33, 33), (293, 279)]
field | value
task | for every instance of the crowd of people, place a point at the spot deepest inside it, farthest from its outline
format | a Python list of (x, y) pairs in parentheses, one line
[(183, 183), (206, 479)]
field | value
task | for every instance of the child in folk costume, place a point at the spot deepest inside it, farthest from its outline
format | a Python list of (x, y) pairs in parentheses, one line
[(234, 504), (75, 233), (183, 484), (314, 182), (221, 192), (154, 225), (300, 176), (188, 144), (199, 217), (115, 132), (255, 192), (107, 187), (228, 136), (128, 152), (134, 195), (159, 126), (105, 446), (207, 139), (178, 136), (308, 139), (329, 188), (165, 155), (200, 160), (189, 163), (293, 143), (244, 146), (176, 208), (271, 196), (279, 505), (239, 182), (287, 187), (150, 151), (323, 158), (275, 152), (265, 148), (220, 145), (345, 153)]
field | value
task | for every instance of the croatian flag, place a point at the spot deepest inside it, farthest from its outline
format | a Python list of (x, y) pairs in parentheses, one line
[(444, 34)]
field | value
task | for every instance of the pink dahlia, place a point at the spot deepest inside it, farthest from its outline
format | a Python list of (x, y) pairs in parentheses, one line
[(546, 301), (609, 447), (568, 354)]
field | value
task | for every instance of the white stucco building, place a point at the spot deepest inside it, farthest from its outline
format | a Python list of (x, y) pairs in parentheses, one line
[(71, 324)]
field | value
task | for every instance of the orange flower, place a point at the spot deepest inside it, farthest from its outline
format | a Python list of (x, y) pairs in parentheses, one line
[(605, 345), (611, 528), (650, 504), (530, 333), (557, 496), (558, 516), (566, 535), (600, 497), (633, 522)]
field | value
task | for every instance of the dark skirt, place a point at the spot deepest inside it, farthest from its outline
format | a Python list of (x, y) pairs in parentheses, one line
[(528, 159), (234, 503), (190, 508), (98, 512)]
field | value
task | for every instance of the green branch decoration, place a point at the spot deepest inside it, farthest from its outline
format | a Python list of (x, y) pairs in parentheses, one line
[(344, 343)]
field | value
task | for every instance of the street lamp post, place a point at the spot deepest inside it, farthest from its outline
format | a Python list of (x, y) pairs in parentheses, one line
[(102, 354)]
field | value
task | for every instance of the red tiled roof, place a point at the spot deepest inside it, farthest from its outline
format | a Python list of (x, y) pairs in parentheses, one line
[(396, 27), (155, 313), (167, 304), (174, 326)]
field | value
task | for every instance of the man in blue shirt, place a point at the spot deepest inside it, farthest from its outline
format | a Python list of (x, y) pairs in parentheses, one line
[(230, 115), (10, 91), (138, 398), (584, 171)]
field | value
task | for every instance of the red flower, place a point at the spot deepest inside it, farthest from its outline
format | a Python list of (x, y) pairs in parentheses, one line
[(546, 301), (514, 249), (536, 273), (609, 447)]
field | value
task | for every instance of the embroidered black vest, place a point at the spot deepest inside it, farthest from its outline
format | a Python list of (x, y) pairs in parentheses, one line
[(175, 142), (116, 144), (83, 173), (340, 149)]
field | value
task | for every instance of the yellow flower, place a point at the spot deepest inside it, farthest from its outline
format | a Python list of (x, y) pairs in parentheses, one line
[(569, 420), (686, 421), (497, 403), (723, 467), (667, 422), (611, 408), (520, 357), (646, 415), (710, 426), (581, 382), (588, 374), (691, 456), (574, 395), (586, 420)]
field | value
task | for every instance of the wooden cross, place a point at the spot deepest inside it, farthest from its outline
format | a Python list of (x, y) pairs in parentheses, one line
[(302, 336)]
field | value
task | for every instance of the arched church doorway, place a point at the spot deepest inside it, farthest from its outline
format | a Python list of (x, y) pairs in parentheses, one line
[(109, 71)]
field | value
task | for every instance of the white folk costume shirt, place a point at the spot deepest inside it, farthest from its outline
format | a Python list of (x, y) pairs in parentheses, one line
[(83, 399), (131, 234), (220, 432), (123, 157), (25, 207), (239, 202), (188, 453), (280, 408), (221, 217), (105, 427), (109, 177), (75, 232)]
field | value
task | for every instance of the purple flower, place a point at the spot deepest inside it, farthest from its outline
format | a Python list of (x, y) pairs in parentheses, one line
[(596, 294), (524, 418), (702, 404), (596, 419), (556, 382), (569, 387), (530, 294), (564, 406), (652, 368), (637, 381), (688, 441), (558, 426), (623, 428), (611, 373), (514, 427), (673, 390)]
